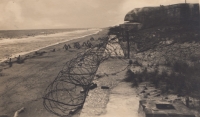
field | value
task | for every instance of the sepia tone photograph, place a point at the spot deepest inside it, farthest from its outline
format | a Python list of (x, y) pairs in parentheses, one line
[(99, 58)]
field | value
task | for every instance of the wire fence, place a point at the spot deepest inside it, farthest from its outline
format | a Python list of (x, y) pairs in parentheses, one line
[(68, 91)]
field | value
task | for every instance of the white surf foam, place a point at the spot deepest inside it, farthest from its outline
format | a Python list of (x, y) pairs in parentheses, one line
[(52, 35)]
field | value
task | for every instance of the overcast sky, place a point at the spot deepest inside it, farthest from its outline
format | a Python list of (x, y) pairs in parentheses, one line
[(44, 14)]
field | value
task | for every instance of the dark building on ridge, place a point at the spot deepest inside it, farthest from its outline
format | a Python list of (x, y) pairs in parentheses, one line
[(164, 15)]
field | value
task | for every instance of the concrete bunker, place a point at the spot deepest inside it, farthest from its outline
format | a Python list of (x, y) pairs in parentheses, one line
[(163, 108)]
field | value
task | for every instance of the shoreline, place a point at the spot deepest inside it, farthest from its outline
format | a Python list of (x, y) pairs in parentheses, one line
[(73, 38), (36, 32), (23, 85)]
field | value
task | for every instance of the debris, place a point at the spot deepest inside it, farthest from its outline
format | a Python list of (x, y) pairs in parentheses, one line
[(99, 76), (65, 47), (18, 112), (92, 86), (89, 44), (82, 91), (84, 44), (104, 87), (77, 45), (91, 39), (114, 74), (75, 110)]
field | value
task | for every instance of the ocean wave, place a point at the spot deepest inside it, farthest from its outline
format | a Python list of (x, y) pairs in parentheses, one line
[(10, 48)]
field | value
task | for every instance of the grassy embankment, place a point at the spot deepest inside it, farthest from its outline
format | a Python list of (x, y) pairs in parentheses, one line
[(167, 56)]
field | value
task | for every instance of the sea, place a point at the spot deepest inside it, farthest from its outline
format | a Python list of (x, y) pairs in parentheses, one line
[(19, 42)]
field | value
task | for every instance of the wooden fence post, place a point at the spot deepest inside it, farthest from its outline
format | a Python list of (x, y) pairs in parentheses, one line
[(128, 44)]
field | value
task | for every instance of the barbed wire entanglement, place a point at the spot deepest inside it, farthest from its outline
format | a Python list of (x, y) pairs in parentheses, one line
[(69, 89)]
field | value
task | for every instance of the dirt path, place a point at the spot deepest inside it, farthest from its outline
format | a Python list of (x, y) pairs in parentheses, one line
[(122, 102), (120, 99)]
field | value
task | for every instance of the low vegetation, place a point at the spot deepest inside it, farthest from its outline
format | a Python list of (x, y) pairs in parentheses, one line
[(183, 80)]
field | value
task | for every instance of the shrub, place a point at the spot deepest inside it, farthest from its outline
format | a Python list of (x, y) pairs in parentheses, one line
[(180, 67), (194, 58), (137, 63), (130, 62), (130, 76), (184, 79)]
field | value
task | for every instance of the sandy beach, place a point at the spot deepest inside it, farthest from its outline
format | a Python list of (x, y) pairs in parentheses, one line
[(23, 85), (11, 48)]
